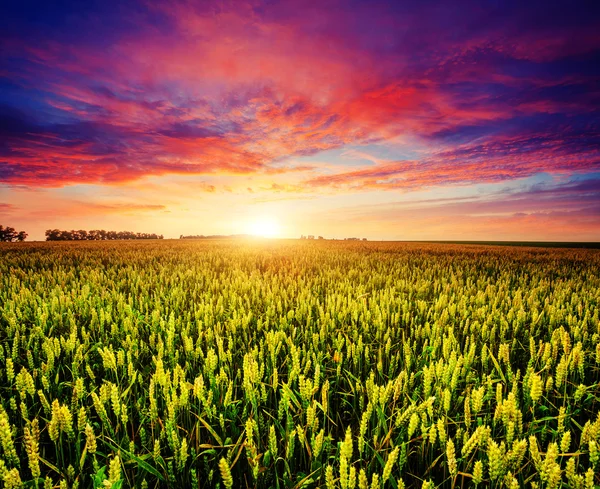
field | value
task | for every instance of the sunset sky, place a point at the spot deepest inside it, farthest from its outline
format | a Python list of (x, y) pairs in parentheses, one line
[(387, 120)]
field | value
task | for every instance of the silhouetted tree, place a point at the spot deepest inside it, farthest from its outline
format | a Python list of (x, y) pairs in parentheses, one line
[(51, 234), (11, 235), (96, 235)]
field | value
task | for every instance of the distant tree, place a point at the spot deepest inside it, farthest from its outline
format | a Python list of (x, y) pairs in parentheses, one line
[(6, 233), (321, 237), (52, 234), (96, 235), (9, 234)]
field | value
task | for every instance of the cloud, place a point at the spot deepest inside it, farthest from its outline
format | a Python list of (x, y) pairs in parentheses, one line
[(121, 208), (6, 208), (68, 208), (495, 159), (565, 211), (243, 89), (572, 196)]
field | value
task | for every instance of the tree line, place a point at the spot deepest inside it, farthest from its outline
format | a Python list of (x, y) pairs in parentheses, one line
[(96, 235), (11, 234)]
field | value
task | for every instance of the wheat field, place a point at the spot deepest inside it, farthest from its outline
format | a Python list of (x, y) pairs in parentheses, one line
[(291, 364)]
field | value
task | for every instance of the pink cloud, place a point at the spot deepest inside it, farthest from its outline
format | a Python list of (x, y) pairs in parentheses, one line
[(235, 90), (496, 160)]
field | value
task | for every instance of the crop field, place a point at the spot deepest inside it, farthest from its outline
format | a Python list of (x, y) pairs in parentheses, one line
[(291, 364)]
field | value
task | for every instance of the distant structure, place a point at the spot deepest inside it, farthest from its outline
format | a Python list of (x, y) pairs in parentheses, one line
[(321, 237), (311, 236), (351, 239), (364, 239)]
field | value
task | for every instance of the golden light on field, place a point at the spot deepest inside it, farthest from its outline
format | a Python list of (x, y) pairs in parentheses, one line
[(264, 227)]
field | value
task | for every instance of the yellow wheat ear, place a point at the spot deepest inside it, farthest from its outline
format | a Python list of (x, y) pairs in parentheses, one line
[(225, 473)]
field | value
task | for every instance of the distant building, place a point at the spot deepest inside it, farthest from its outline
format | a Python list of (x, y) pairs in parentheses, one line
[(364, 239), (311, 236), (321, 237)]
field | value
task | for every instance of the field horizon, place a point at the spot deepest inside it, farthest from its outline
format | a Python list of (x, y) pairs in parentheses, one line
[(260, 239)]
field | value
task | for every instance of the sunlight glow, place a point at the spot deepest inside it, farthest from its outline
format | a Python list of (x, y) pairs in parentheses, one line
[(264, 227)]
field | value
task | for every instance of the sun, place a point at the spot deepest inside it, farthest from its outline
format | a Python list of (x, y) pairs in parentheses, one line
[(264, 227)]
